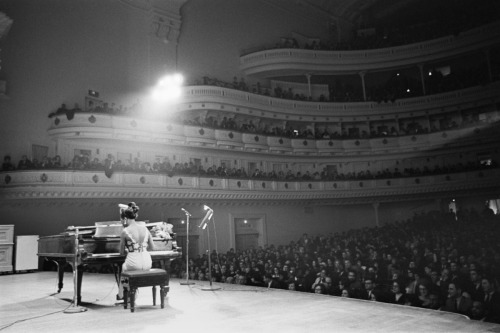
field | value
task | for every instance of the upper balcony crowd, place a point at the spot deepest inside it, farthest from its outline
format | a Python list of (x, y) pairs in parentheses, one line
[(431, 261), (324, 132), (398, 86)]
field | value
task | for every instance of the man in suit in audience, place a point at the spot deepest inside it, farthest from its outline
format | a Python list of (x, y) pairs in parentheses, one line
[(369, 286), (456, 302), (354, 286), (491, 300), (475, 287)]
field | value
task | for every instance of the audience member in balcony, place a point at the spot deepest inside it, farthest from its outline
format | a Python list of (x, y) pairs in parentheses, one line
[(7, 164), (109, 165), (80, 161), (221, 171), (165, 166), (56, 162), (24, 163), (46, 163)]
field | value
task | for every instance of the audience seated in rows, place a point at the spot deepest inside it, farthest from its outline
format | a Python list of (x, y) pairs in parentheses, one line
[(438, 261)]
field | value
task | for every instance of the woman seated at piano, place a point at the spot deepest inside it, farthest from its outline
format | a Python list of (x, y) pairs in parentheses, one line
[(135, 241)]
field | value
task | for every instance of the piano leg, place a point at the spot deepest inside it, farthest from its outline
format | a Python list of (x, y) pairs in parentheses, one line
[(77, 289), (117, 271), (79, 279), (60, 273)]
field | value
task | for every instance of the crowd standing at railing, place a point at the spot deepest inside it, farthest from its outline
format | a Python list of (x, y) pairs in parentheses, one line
[(432, 261)]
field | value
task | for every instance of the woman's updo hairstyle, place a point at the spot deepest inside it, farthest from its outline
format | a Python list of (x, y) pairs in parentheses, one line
[(131, 212)]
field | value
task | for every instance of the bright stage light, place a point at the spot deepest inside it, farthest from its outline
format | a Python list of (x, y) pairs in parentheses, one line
[(168, 88)]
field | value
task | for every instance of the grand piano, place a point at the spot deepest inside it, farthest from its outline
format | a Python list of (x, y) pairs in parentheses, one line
[(98, 245)]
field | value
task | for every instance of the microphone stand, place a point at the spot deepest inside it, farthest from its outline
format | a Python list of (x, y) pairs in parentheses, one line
[(74, 307), (209, 261), (187, 250)]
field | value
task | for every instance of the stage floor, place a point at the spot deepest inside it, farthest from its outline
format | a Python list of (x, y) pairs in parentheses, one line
[(29, 303)]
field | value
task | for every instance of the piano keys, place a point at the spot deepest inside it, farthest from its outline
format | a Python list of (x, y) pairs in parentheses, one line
[(99, 244)]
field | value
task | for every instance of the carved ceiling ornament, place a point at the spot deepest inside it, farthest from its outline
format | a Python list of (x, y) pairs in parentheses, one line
[(165, 25), (165, 17)]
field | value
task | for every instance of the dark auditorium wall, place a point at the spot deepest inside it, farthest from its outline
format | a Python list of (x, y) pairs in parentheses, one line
[(56, 50), (284, 222), (215, 33)]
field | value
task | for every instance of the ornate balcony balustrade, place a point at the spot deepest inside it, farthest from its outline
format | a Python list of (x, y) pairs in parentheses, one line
[(116, 128), (76, 184), (281, 62), (241, 102)]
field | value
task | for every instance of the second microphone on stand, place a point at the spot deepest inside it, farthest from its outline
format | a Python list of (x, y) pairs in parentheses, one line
[(207, 217), (186, 212)]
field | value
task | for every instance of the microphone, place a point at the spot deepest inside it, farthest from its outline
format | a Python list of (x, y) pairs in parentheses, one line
[(122, 206), (205, 207), (186, 212), (207, 218)]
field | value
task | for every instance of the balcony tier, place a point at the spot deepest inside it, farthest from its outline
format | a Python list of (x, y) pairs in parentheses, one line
[(290, 62), (100, 128), (244, 103), (69, 184)]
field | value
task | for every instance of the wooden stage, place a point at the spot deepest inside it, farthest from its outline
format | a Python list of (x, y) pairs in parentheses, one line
[(29, 303)]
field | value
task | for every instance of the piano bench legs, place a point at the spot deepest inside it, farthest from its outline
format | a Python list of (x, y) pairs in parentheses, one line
[(132, 280)]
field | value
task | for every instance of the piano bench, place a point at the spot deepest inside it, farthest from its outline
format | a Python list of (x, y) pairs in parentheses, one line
[(132, 280)]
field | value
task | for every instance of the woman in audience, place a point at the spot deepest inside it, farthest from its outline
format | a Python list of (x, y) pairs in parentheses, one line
[(422, 299), (398, 295)]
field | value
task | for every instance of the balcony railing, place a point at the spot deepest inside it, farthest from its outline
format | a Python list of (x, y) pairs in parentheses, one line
[(241, 102), (71, 184), (116, 128), (288, 61)]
